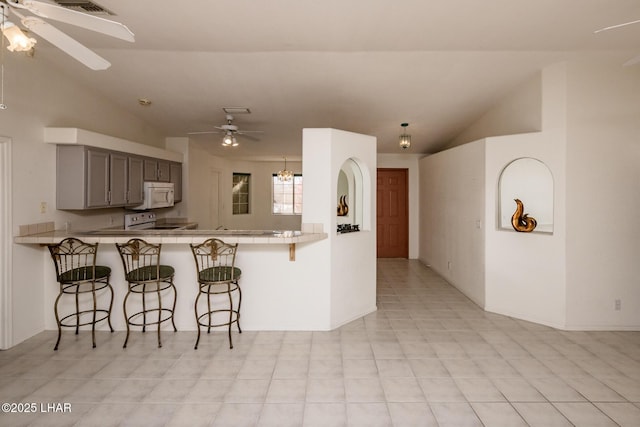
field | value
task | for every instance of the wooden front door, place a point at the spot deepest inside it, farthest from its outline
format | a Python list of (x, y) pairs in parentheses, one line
[(392, 213)]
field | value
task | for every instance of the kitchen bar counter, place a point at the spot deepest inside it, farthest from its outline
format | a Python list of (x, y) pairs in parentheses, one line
[(285, 280), (174, 236)]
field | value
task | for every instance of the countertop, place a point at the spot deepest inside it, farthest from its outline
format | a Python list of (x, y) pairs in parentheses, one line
[(174, 236)]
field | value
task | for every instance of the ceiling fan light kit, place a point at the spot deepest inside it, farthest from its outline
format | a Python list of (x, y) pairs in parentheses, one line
[(18, 40), (229, 140)]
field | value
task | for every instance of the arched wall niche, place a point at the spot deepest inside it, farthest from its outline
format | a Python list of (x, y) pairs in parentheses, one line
[(529, 180), (350, 192)]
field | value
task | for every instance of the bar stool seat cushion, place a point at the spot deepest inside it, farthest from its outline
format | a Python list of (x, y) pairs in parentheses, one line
[(85, 273), (219, 274), (148, 273)]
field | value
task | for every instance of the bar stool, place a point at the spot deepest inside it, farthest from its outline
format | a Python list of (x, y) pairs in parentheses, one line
[(77, 274), (217, 274), (145, 275)]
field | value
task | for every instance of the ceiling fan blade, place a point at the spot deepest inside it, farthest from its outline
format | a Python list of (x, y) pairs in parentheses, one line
[(251, 137), (90, 22), (66, 43), (616, 26), (204, 132), (241, 132)]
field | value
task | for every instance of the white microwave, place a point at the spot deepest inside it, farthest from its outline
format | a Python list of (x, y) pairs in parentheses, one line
[(157, 195)]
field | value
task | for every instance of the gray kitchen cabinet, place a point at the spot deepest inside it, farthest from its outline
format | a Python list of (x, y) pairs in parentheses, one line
[(175, 174), (135, 175), (96, 171), (89, 178), (157, 170), (118, 182)]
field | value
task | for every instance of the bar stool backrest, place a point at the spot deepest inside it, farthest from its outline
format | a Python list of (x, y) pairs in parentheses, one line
[(140, 260), (74, 260), (215, 261)]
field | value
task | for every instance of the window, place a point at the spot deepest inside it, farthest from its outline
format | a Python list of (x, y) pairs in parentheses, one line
[(241, 193), (287, 196)]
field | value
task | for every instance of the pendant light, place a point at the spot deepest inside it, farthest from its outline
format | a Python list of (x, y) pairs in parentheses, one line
[(405, 139), (285, 175)]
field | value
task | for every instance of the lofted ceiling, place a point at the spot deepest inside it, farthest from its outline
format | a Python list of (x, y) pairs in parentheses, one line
[(359, 65)]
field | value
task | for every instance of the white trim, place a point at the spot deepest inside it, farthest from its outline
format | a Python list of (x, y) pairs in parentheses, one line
[(93, 139), (6, 313)]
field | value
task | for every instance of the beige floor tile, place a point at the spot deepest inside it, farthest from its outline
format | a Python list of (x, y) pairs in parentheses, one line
[(325, 415), (455, 415), (411, 414), (584, 414), (541, 414), (287, 391), (281, 415), (498, 414), (625, 414), (368, 415), (420, 359), (363, 390)]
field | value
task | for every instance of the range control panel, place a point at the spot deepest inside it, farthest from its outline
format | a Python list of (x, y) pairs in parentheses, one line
[(139, 219)]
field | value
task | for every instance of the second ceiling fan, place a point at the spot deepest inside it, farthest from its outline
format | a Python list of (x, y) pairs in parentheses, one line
[(230, 131)]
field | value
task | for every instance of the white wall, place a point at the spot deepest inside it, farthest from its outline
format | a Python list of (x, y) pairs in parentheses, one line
[(519, 112), (603, 195), (525, 272), (411, 163), (452, 198), (571, 278), (351, 262)]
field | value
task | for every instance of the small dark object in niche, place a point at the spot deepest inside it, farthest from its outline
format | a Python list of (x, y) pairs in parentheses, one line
[(348, 228)]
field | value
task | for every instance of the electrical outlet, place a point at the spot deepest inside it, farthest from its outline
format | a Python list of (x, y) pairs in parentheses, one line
[(618, 305), (43, 207)]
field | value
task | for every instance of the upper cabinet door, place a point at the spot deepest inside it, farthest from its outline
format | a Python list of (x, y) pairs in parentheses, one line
[(176, 178), (136, 181), (156, 170), (164, 171), (118, 179), (97, 178), (150, 170)]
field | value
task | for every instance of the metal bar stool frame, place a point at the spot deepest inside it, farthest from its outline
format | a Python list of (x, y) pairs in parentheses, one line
[(145, 275), (77, 274), (217, 274)]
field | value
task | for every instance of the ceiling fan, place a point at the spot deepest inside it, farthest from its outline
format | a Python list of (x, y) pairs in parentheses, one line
[(230, 131), (35, 24), (635, 59)]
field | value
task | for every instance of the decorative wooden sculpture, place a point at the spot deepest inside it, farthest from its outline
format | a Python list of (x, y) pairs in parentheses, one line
[(522, 222), (343, 209)]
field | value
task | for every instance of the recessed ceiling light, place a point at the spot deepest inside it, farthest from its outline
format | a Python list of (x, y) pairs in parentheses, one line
[(144, 102), (236, 110)]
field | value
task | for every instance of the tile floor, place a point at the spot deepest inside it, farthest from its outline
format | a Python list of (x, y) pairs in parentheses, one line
[(427, 357)]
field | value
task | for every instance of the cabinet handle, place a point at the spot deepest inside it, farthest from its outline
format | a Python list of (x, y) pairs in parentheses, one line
[(108, 196)]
